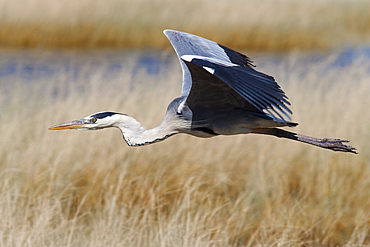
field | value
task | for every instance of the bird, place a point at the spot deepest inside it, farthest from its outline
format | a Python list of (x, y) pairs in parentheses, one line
[(222, 94)]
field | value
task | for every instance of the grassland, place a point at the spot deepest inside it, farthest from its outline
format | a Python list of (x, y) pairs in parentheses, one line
[(78, 188), (251, 24)]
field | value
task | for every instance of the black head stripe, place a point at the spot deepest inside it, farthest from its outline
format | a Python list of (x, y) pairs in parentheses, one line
[(104, 115)]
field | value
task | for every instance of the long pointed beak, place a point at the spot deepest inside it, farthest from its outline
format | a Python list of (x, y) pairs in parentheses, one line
[(76, 124)]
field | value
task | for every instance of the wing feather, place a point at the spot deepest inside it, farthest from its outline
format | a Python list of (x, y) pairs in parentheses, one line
[(262, 92), (190, 44), (225, 74)]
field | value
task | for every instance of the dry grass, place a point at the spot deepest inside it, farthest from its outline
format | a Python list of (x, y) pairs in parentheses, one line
[(77, 188), (252, 24)]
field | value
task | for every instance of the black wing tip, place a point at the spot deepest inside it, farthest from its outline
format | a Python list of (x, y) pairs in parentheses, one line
[(237, 57)]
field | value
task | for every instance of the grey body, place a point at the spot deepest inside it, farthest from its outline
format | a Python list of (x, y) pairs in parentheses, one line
[(222, 94)]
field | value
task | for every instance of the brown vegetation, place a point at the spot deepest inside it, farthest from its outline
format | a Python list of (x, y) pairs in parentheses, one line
[(78, 188), (252, 24)]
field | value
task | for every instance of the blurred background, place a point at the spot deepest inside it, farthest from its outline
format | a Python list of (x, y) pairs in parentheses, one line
[(254, 25), (64, 60)]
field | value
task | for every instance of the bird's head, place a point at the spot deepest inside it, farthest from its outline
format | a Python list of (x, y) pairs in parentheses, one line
[(95, 121)]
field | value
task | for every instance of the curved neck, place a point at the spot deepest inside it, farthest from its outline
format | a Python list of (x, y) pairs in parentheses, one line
[(137, 135)]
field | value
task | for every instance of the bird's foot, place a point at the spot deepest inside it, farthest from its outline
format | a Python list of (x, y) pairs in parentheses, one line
[(336, 145)]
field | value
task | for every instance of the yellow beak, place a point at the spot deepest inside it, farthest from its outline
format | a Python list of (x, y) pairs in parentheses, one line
[(76, 124)]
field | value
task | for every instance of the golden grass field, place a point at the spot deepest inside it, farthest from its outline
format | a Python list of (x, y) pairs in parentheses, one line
[(88, 188), (246, 24)]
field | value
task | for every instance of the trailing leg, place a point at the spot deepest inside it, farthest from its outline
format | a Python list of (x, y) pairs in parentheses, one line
[(332, 144)]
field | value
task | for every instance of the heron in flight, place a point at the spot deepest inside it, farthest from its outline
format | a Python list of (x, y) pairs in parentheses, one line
[(222, 94)]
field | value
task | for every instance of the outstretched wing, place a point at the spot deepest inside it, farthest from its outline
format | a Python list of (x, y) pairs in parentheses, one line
[(190, 44), (216, 75)]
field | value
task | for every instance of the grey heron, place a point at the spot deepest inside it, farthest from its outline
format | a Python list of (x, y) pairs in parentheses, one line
[(222, 94)]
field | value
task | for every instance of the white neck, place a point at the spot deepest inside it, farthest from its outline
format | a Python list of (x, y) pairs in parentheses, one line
[(137, 135)]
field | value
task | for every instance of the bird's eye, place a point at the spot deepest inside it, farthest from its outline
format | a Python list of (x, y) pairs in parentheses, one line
[(93, 120)]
